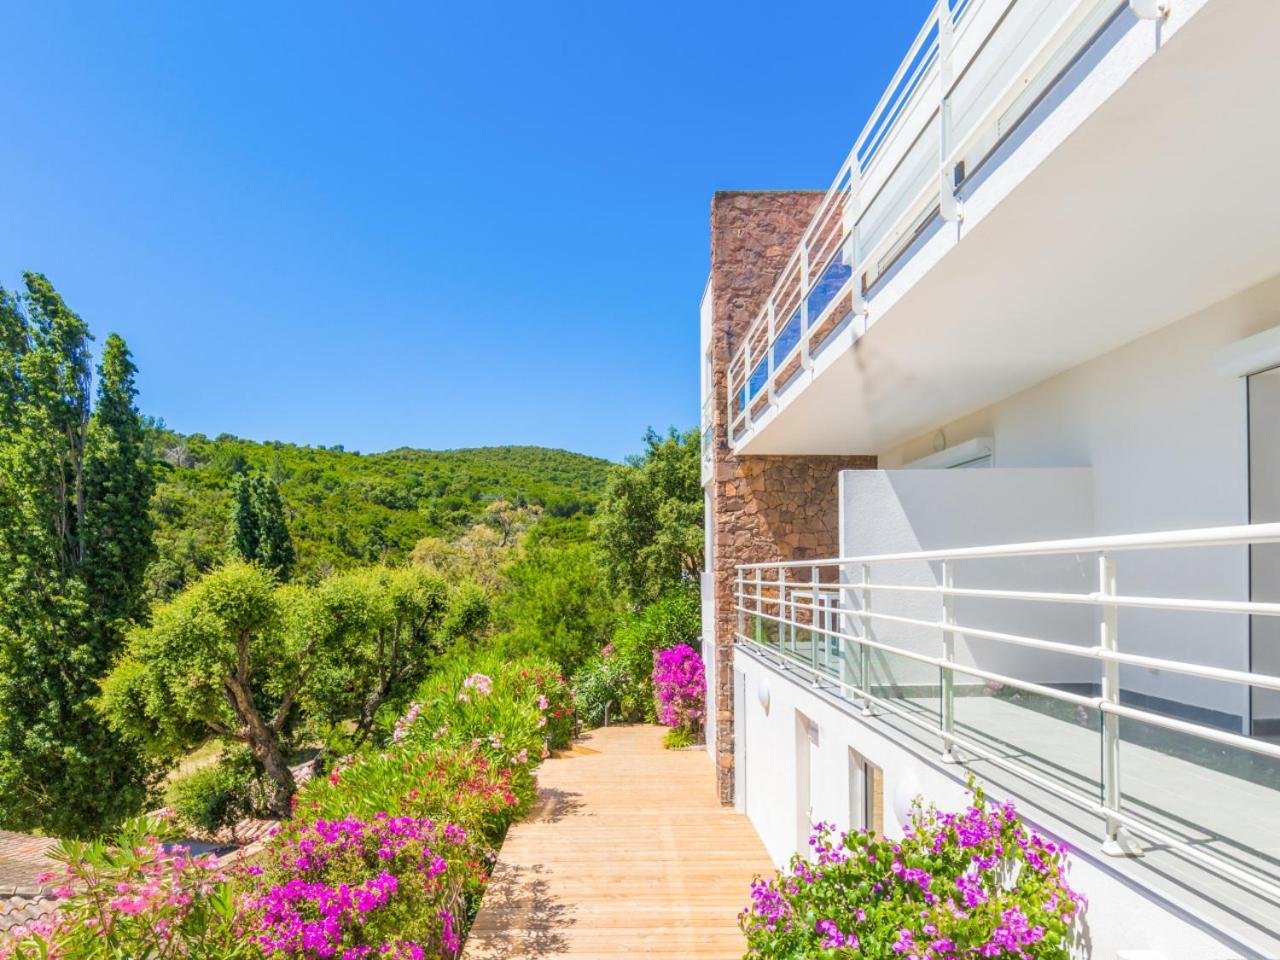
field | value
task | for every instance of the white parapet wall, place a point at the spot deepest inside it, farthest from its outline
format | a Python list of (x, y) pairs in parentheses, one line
[(901, 511), (787, 779)]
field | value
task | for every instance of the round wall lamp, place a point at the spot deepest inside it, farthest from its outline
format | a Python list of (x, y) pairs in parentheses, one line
[(905, 792), (762, 694)]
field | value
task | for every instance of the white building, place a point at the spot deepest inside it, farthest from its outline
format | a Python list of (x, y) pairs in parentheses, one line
[(1052, 259)]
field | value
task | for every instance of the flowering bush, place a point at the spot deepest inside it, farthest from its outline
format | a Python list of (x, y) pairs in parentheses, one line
[(391, 887), (508, 708), (385, 858), (957, 886), (457, 784), (135, 899), (680, 687)]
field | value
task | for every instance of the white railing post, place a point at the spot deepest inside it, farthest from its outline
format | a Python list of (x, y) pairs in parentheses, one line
[(1116, 842), (948, 205), (787, 627), (813, 617), (948, 701), (850, 252), (864, 682), (773, 333), (742, 602), (847, 647), (805, 359)]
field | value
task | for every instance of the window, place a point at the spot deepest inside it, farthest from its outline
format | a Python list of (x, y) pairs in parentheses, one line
[(866, 794)]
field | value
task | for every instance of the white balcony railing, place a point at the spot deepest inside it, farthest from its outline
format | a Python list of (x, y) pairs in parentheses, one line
[(975, 69), (900, 636)]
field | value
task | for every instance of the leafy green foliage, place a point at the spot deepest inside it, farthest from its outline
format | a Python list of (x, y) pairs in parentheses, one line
[(259, 532), (219, 659), (679, 738), (555, 604), (649, 527), (390, 625), (75, 538), (463, 751), (622, 671), (345, 509), (217, 796)]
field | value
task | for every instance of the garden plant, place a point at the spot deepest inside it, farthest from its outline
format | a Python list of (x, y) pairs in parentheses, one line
[(680, 688), (975, 884)]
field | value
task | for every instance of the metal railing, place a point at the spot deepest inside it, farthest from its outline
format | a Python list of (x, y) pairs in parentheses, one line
[(824, 616), (974, 70)]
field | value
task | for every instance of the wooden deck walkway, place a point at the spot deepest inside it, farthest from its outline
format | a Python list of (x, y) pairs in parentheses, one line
[(628, 854)]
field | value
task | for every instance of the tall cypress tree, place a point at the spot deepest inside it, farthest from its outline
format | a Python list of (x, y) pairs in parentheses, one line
[(275, 546), (258, 531), (242, 539), (74, 539)]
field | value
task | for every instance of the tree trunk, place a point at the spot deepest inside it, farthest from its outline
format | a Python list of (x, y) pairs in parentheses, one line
[(265, 744)]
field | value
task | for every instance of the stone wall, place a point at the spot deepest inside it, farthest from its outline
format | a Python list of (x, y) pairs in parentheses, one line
[(762, 508)]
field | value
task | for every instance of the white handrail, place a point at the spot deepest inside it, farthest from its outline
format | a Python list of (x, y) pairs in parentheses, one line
[(1239, 534)]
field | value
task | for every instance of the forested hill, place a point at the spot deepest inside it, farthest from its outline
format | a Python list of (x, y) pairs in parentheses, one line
[(345, 507)]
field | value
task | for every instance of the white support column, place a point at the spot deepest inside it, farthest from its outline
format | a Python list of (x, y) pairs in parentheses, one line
[(948, 702), (948, 204), (1116, 842)]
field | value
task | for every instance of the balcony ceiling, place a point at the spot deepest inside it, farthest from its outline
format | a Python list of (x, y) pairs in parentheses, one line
[(1088, 234)]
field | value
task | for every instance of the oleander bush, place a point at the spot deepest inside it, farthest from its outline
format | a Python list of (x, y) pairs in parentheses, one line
[(134, 898), (956, 887)]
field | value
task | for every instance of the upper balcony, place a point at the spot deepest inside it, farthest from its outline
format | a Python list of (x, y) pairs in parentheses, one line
[(1027, 158)]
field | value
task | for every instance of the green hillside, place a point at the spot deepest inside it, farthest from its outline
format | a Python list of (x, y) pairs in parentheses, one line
[(346, 508)]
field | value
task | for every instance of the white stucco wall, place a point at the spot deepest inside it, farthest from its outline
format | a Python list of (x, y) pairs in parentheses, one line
[(896, 511), (1121, 916), (1164, 432)]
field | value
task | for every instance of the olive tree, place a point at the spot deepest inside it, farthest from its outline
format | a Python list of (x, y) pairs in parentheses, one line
[(229, 656), (390, 624)]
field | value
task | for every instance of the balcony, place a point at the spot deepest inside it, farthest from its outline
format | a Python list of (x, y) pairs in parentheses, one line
[(1026, 158), (970, 649)]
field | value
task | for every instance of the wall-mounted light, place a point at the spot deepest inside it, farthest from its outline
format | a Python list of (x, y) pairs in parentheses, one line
[(905, 790), (762, 694)]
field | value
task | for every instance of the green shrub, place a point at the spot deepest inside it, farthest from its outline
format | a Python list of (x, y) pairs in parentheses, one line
[(556, 605), (623, 670), (216, 796), (605, 684), (678, 738)]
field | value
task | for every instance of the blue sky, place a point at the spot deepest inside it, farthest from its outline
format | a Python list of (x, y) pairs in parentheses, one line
[(431, 225)]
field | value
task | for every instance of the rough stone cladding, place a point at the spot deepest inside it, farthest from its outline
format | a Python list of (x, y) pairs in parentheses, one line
[(762, 508)]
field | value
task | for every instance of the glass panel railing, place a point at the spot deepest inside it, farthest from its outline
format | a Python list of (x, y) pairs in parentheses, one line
[(1220, 799), (788, 339), (756, 382), (829, 284), (1057, 740), (907, 684)]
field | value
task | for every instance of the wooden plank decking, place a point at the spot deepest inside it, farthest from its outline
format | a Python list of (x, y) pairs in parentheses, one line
[(628, 854)]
